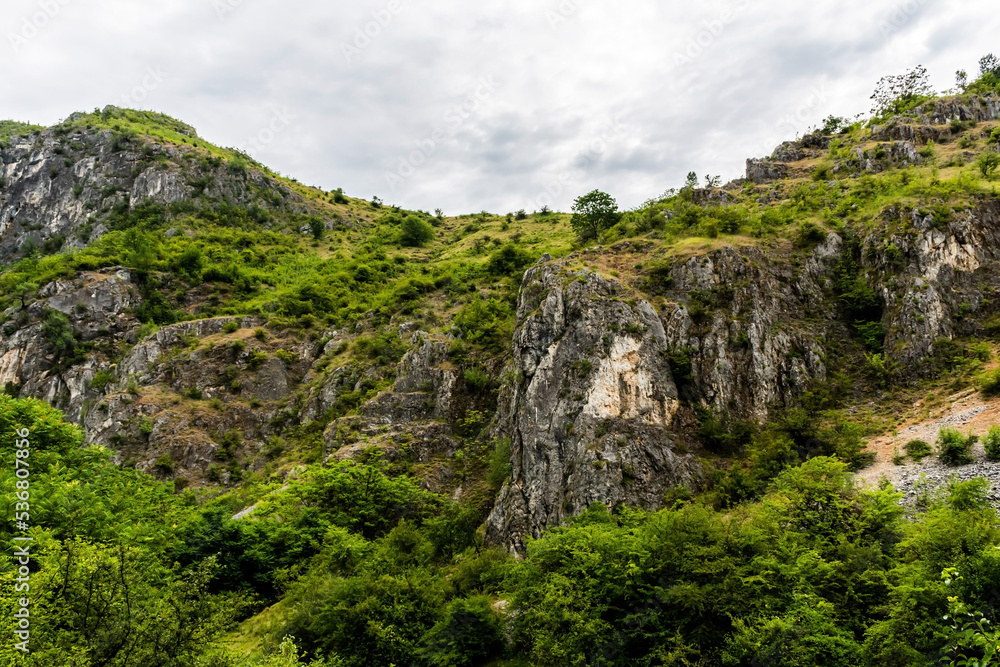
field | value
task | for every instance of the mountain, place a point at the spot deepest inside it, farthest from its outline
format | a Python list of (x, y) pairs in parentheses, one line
[(405, 438)]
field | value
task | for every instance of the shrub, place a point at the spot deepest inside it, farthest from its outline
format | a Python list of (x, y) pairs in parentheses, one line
[(414, 232), (917, 450), (471, 633), (59, 333), (288, 357), (476, 378), (988, 162), (955, 449), (164, 464), (989, 383), (809, 235), (509, 260), (101, 381), (992, 443), (231, 327), (257, 359), (317, 228), (385, 349), (500, 466)]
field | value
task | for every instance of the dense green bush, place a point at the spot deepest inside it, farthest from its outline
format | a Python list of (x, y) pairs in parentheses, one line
[(918, 450), (991, 443), (415, 232), (954, 448)]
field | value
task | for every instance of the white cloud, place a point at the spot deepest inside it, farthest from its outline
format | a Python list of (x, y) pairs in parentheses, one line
[(755, 74)]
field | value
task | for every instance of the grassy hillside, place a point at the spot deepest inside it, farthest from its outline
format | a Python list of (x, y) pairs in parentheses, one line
[(780, 558)]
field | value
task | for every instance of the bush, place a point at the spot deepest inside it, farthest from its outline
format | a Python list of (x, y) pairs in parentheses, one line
[(470, 634), (988, 162), (809, 235), (231, 327), (918, 450), (101, 381), (257, 359), (500, 466), (509, 260), (289, 358), (476, 378), (164, 464), (414, 232), (989, 383), (955, 449), (992, 444), (59, 333)]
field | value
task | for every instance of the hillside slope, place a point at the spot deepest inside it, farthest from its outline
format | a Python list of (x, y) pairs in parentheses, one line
[(346, 397)]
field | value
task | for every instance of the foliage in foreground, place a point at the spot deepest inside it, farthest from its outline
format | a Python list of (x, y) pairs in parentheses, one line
[(361, 568)]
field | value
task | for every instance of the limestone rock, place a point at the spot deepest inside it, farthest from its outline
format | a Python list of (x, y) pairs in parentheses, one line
[(589, 416)]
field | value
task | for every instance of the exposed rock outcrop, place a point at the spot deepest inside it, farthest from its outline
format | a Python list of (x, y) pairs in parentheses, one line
[(751, 328), (590, 412), (58, 188)]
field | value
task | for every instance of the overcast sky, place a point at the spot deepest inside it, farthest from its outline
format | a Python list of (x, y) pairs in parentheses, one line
[(466, 106)]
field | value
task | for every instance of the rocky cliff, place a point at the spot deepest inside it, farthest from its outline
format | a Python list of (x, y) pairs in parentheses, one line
[(599, 391), (590, 410), (63, 187)]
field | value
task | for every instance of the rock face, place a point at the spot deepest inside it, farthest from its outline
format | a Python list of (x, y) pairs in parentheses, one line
[(750, 327), (589, 416), (935, 280), (58, 189), (764, 171), (96, 306)]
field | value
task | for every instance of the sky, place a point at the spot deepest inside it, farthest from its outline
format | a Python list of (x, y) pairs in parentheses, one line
[(489, 105)]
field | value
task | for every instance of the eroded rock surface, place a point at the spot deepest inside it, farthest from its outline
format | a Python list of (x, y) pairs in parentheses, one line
[(589, 416)]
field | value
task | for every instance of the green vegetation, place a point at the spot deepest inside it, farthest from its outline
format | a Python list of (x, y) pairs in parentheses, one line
[(370, 569), (954, 448), (918, 450), (12, 128), (779, 559)]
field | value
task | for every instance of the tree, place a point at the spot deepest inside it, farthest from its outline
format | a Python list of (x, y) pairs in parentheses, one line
[(317, 228), (691, 181), (961, 80), (988, 162), (140, 250), (59, 333), (896, 93), (23, 290), (593, 213), (414, 232), (989, 64)]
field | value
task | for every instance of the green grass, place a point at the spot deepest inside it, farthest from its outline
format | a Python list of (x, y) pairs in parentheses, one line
[(12, 128)]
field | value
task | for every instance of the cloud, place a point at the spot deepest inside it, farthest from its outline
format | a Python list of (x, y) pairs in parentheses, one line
[(366, 85)]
